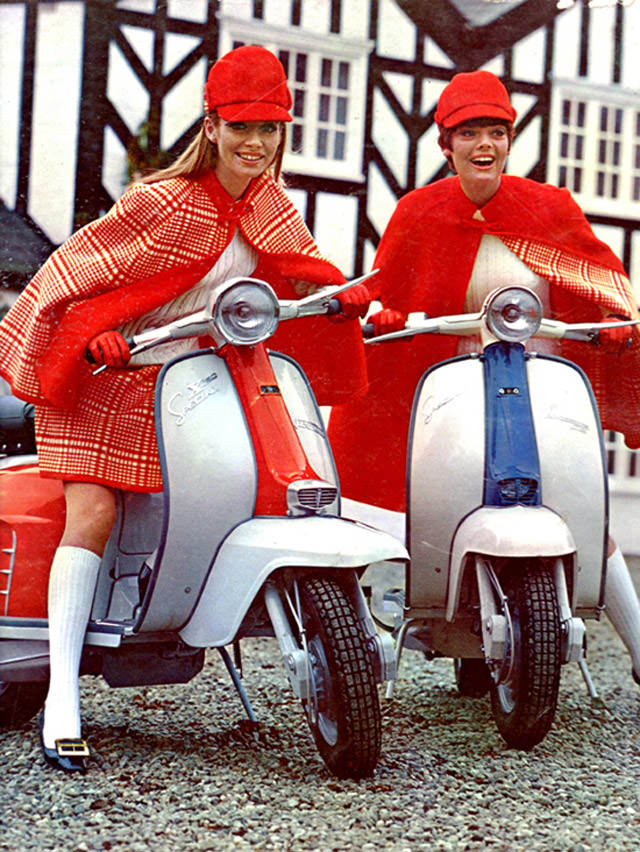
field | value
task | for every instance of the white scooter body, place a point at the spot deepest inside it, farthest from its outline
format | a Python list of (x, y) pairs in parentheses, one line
[(447, 457)]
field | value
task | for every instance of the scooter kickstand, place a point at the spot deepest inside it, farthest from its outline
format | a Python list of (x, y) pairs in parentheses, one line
[(238, 685), (586, 674)]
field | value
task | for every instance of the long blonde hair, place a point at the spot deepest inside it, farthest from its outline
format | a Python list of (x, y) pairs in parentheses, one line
[(202, 155)]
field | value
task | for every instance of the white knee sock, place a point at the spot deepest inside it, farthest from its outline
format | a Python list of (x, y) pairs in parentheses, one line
[(622, 605), (72, 585)]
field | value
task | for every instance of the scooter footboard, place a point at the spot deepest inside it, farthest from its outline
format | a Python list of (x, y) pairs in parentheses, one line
[(260, 546)]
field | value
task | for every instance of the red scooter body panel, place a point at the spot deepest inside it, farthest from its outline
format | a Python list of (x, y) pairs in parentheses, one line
[(32, 508), (279, 454)]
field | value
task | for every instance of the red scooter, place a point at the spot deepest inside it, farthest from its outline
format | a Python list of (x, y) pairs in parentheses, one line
[(246, 538)]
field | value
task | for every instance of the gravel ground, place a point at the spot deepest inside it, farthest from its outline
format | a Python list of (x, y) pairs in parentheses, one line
[(180, 769)]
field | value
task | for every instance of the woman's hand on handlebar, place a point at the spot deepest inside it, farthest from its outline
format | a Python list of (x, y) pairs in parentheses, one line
[(109, 349), (386, 321), (354, 303), (615, 340)]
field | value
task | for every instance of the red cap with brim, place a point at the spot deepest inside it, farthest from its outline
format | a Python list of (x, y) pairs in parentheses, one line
[(248, 84), (474, 94)]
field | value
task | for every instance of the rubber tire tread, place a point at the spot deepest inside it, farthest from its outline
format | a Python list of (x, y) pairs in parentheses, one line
[(357, 708), (533, 600), (20, 702)]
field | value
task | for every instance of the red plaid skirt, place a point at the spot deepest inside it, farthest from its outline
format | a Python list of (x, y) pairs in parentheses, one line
[(108, 437)]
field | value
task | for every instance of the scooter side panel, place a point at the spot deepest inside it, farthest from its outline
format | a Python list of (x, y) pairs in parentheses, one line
[(210, 477), (574, 479), (305, 414), (32, 514), (445, 471)]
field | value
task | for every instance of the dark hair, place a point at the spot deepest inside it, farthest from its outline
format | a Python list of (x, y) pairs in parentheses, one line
[(446, 133), (202, 155)]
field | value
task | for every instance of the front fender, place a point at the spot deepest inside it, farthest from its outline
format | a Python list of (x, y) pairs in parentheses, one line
[(258, 547), (510, 532)]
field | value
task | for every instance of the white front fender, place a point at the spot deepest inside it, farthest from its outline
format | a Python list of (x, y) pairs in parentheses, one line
[(259, 546), (509, 531)]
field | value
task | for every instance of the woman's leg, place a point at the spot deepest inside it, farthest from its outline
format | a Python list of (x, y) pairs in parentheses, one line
[(622, 605), (89, 519)]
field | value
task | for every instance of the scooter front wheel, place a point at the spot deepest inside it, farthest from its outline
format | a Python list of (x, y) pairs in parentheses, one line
[(343, 710), (524, 700), (19, 702)]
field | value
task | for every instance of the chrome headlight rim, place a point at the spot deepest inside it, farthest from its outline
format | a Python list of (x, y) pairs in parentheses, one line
[(245, 312), (513, 314)]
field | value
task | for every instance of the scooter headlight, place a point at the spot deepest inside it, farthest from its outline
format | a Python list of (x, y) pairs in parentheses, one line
[(513, 314), (246, 312)]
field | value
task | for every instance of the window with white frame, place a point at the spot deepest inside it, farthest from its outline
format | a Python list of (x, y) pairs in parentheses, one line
[(595, 147), (327, 79)]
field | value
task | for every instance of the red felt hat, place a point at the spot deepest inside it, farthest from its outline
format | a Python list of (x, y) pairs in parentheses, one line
[(248, 84), (474, 94)]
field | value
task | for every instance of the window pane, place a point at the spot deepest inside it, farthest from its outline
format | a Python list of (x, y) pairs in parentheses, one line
[(301, 67), (326, 73), (343, 75), (564, 145), (297, 138), (636, 189), (562, 176), (602, 151), (604, 112), (637, 158), (341, 111), (577, 180), (616, 154), (614, 185), (298, 102), (566, 113), (638, 124), (579, 147), (618, 121), (339, 146), (321, 144), (600, 184), (581, 113), (284, 56), (323, 108)]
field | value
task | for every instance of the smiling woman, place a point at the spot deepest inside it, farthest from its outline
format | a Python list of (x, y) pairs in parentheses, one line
[(445, 248), (219, 211)]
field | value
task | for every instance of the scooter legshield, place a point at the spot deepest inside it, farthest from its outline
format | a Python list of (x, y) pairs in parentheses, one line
[(446, 470)]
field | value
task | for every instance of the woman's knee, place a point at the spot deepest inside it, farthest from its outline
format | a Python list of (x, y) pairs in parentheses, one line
[(91, 512)]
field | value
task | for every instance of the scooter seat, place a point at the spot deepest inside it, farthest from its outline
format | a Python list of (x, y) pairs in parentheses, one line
[(17, 434)]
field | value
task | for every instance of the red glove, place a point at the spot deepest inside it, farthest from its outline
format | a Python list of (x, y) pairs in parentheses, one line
[(354, 302), (615, 340), (387, 320), (109, 348)]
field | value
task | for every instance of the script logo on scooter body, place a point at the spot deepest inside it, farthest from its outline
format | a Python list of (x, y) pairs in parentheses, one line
[(196, 394)]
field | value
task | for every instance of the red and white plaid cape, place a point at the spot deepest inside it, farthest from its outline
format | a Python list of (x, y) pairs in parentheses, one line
[(425, 259), (156, 242)]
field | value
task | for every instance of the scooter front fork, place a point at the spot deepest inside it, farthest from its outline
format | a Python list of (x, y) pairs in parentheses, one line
[(295, 658)]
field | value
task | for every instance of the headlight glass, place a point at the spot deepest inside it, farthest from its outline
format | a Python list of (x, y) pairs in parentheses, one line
[(514, 314), (246, 313)]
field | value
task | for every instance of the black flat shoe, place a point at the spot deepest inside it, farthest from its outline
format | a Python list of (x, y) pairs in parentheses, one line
[(636, 676), (69, 754)]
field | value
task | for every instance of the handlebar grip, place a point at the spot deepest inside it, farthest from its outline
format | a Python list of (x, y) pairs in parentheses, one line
[(368, 330), (334, 307)]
